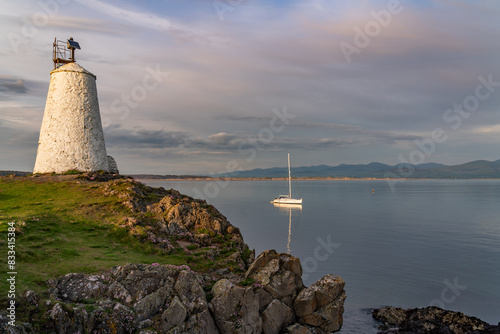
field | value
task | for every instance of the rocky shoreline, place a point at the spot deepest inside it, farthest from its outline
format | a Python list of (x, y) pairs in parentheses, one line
[(153, 298), (237, 293)]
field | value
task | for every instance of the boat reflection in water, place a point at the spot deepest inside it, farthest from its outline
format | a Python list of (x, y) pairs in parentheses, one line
[(287, 209)]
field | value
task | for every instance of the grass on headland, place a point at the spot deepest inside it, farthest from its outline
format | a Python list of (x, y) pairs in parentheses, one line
[(71, 226)]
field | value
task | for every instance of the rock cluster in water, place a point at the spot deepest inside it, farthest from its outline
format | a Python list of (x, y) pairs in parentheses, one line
[(430, 320)]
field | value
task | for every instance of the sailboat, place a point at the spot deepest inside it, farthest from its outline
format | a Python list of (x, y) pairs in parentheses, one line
[(287, 199)]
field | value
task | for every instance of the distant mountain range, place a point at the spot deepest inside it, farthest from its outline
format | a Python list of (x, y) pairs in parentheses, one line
[(480, 169)]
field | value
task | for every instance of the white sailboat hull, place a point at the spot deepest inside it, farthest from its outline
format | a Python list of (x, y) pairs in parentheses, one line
[(288, 200)]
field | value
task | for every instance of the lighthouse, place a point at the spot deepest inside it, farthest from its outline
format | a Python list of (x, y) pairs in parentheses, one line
[(71, 136)]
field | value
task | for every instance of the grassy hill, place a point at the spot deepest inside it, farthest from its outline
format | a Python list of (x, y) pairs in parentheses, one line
[(86, 223)]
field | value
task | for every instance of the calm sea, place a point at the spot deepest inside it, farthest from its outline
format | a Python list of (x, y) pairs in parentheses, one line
[(432, 242)]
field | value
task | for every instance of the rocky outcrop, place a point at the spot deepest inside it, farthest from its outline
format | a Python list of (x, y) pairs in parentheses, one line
[(113, 166), (178, 214), (430, 320), (168, 220), (140, 298), (136, 296), (235, 308), (276, 317), (322, 304), (279, 274)]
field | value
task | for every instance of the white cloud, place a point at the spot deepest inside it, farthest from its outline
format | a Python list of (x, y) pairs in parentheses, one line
[(143, 19), (490, 129), (221, 138), (148, 20)]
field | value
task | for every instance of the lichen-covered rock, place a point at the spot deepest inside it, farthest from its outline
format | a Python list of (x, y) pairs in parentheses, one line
[(153, 303), (141, 280), (79, 287), (104, 320), (19, 328), (125, 317), (190, 292), (173, 299), (117, 291), (127, 297), (322, 304), (430, 320), (193, 216), (390, 316), (279, 274), (276, 317), (298, 329), (174, 315), (235, 308), (201, 323), (265, 298), (68, 320), (284, 286), (179, 219), (261, 269), (145, 324), (31, 298)]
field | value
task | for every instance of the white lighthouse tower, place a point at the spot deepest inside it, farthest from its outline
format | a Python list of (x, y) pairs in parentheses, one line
[(71, 136)]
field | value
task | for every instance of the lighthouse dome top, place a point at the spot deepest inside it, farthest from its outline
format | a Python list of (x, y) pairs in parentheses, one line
[(72, 67)]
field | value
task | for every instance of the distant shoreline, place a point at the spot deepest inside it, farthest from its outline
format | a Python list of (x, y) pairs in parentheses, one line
[(153, 177), (258, 179), (299, 179)]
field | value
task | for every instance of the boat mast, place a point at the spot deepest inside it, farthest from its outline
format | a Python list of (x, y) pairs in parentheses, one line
[(289, 179)]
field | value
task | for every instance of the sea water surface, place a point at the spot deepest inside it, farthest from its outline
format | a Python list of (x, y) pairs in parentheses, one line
[(418, 243)]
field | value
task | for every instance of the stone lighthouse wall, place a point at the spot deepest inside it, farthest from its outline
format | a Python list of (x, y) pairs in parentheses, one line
[(71, 136)]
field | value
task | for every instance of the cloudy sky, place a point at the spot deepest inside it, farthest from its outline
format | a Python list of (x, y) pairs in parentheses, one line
[(200, 86)]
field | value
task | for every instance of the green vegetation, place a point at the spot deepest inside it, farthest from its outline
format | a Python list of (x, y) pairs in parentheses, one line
[(247, 281), (68, 224), (245, 255), (72, 172)]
